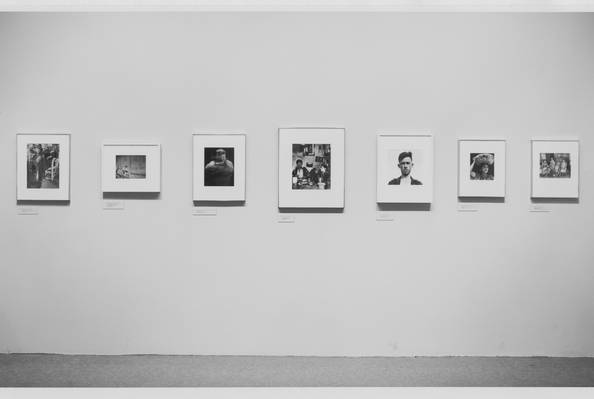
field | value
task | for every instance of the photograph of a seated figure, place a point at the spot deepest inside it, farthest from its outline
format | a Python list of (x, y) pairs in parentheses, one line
[(311, 167), (130, 167)]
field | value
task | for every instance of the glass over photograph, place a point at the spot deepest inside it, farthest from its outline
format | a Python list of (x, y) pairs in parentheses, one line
[(130, 167), (405, 166), (311, 167), (43, 166), (555, 165), (482, 166), (218, 166)]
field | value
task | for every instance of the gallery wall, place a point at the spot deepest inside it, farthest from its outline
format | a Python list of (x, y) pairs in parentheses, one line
[(154, 278)]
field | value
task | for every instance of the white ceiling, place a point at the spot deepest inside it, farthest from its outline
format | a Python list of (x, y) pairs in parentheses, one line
[(301, 5)]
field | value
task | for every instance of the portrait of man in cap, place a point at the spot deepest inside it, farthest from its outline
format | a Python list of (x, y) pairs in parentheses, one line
[(219, 169), (405, 164)]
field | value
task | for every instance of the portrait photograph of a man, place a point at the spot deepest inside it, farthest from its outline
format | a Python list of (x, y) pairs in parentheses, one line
[(404, 168), (405, 164), (218, 168), (219, 165)]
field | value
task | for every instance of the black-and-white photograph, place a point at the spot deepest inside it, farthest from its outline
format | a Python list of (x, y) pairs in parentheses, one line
[(219, 166), (555, 165), (405, 165), (482, 166), (404, 168), (479, 176), (43, 166), (130, 167), (311, 167)]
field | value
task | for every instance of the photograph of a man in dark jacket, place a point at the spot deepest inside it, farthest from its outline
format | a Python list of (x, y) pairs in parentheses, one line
[(405, 164)]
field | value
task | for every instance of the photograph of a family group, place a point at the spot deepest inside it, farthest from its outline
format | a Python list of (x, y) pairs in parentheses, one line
[(555, 168), (555, 165)]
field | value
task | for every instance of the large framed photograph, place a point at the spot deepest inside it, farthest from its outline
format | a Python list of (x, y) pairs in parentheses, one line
[(43, 167), (481, 168), (311, 167), (219, 166), (131, 167), (555, 168), (404, 168)]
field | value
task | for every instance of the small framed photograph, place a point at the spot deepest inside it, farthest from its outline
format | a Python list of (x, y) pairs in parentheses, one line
[(555, 168), (481, 168), (43, 167), (131, 167), (311, 167), (404, 168), (219, 166)]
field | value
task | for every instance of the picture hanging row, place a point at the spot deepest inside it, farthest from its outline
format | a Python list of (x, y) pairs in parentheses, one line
[(311, 167)]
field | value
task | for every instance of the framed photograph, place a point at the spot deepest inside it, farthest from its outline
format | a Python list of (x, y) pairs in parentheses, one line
[(219, 167), (404, 168), (481, 168), (311, 168), (43, 167), (555, 168), (131, 167)]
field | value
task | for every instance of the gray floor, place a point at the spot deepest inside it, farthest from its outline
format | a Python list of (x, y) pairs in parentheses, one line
[(33, 370)]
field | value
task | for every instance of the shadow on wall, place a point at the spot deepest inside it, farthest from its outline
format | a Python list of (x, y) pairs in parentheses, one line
[(311, 210), (131, 196), (482, 200), (219, 203), (416, 207), (555, 200), (42, 203)]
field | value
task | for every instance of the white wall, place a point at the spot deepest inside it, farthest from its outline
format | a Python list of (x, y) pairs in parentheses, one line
[(155, 279)]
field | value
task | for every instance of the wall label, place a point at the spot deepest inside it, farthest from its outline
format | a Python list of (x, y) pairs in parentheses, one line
[(27, 211), (286, 219), (113, 205), (204, 211), (468, 208), (539, 208), (384, 217)]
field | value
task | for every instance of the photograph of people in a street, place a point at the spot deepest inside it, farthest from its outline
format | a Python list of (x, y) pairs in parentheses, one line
[(43, 165)]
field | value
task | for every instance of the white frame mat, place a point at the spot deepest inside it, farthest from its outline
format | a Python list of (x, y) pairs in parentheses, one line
[(555, 187), (482, 188), (237, 140), (62, 193), (150, 184), (388, 146), (330, 198)]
